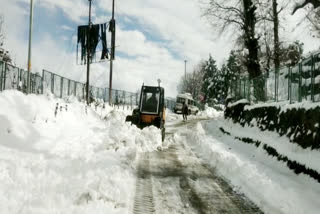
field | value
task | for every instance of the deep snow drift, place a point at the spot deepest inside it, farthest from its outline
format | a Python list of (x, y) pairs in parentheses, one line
[(72, 163)]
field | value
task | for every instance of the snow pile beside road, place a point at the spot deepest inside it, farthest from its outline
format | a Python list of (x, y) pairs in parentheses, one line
[(285, 105), (209, 112), (81, 161), (266, 181)]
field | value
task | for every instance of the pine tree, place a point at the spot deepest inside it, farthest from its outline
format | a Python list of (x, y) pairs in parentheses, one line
[(209, 80)]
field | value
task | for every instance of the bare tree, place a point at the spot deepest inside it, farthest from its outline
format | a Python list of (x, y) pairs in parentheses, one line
[(312, 14), (314, 19), (2, 37), (193, 82), (266, 53), (315, 3), (240, 14), (273, 16)]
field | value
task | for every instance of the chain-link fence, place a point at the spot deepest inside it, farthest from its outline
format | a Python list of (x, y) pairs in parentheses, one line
[(295, 84), (63, 87), (12, 77)]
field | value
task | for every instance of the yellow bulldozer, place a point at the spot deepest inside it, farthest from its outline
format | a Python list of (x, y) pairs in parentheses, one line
[(151, 109)]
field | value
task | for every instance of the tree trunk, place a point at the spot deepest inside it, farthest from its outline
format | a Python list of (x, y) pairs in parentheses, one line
[(276, 35), (276, 43), (251, 43)]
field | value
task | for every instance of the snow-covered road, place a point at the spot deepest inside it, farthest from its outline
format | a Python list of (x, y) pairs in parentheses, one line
[(175, 180)]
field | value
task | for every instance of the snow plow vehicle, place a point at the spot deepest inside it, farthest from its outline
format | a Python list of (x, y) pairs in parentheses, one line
[(151, 109)]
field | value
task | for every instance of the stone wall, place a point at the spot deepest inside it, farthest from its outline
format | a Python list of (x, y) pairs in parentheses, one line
[(300, 125)]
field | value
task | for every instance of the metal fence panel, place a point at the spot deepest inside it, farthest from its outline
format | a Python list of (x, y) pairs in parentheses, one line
[(57, 86), (115, 96), (65, 87), (316, 75), (271, 86), (295, 83), (23, 80), (79, 91), (11, 77), (2, 66), (306, 79), (47, 81), (36, 84), (283, 80), (93, 92), (72, 88)]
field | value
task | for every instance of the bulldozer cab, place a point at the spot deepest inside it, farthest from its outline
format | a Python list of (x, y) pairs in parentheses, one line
[(151, 100)]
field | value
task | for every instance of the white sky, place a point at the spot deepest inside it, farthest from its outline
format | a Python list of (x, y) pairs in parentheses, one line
[(153, 39)]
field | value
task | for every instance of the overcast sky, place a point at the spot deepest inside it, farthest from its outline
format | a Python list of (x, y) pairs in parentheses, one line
[(153, 39)]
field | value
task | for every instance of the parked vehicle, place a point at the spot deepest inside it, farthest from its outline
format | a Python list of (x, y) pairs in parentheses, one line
[(151, 109), (185, 98)]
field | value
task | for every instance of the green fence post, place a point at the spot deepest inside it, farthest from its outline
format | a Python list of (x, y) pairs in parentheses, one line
[(244, 88), (300, 83), (75, 88), (61, 86), (18, 79), (42, 81), (83, 91), (237, 89), (31, 83), (69, 82), (1, 73), (4, 76), (312, 78), (52, 83), (289, 84), (105, 95)]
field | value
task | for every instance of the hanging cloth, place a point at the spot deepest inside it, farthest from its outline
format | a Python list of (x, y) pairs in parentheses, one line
[(94, 39), (105, 51), (82, 39)]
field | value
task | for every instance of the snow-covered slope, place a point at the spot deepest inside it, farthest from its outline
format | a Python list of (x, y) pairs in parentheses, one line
[(76, 162), (265, 180)]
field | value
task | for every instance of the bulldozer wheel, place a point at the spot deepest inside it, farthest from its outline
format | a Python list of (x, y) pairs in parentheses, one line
[(163, 133)]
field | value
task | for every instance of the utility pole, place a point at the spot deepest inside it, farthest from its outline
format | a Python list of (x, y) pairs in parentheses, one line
[(113, 32), (185, 70), (88, 54), (29, 51)]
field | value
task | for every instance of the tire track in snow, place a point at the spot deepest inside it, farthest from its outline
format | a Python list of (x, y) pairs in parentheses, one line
[(143, 202), (176, 181)]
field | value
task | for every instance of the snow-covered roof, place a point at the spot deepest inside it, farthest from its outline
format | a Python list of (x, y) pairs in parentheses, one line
[(186, 96)]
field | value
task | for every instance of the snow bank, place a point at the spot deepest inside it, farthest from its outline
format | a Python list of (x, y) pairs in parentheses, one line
[(266, 181), (244, 101), (210, 112), (285, 105), (80, 161)]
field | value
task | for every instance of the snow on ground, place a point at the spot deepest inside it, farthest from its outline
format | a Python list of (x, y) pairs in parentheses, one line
[(285, 105), (266, 181), (76, 162), (209, 112), (83, 160)]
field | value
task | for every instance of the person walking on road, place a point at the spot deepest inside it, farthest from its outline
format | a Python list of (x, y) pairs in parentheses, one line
[(185, 111)]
